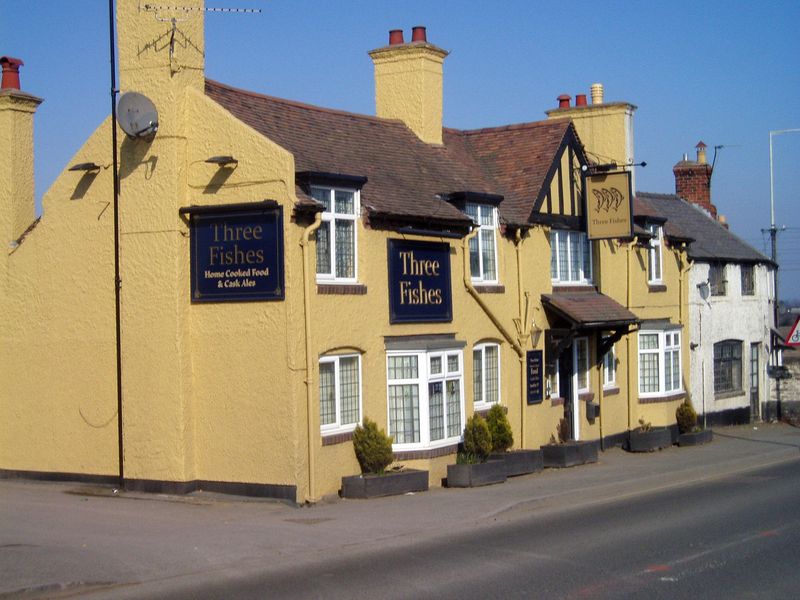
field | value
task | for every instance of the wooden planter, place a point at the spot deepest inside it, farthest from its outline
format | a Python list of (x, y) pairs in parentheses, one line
[(696, 438), (492, 471), (569, 454), (520, 462), (648, 441), (388, 484)]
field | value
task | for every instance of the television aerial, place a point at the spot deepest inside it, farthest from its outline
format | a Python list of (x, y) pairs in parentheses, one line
[(137, 116)]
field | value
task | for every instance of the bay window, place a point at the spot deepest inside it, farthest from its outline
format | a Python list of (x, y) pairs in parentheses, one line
[(659, 362), (426, 398)]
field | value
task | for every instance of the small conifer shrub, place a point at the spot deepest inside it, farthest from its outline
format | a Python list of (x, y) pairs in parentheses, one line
[(477, 438), (500, 429), (686, 417), (373, 447), (563, 431)]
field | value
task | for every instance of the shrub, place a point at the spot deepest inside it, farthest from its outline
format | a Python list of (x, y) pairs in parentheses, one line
[(563, 431), (686, 417), (477, 439), (373, 447), (500, 429), (644, 426)]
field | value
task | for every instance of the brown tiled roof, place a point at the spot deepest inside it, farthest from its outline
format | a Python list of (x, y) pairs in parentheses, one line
[(519, 158), (645, 207), (406, 177), (589, 309)]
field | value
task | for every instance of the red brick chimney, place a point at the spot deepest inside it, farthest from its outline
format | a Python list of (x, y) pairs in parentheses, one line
[(693, 180)]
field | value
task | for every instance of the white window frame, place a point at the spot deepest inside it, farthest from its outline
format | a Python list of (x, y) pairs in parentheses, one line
[(669, 343), (582, 369), (610, 368), (581, 277), (337, 426), (422, 381), (483, 403), (477, 212), (553, 383), (330, 217), (655, 263)]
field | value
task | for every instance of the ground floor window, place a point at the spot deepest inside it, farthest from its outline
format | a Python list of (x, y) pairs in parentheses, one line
[(339, 393), (727, 366), (582, 363), (609, 369), (426, 398), (485, 375), (659, 362)]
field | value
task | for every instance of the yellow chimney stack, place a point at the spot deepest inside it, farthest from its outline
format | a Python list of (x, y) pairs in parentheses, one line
[(408, 83)]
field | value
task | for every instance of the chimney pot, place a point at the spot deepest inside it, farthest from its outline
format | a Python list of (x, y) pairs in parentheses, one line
[(396, 37), (419, 34), (11, 67), (701, 153), (580, 100), (563, 100), (597, 93)]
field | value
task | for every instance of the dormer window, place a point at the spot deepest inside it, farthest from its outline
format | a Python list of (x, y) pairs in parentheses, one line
[(570, 257), (483, 246), (336, 237)]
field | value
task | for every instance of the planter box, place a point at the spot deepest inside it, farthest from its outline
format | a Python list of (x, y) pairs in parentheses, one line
[(569, 454), (520, 462), (648, 441), (388, 484), (492, 471), (696, 438)]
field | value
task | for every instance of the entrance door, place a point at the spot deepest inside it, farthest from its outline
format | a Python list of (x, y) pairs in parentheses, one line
[(755, 400), (566, 389)]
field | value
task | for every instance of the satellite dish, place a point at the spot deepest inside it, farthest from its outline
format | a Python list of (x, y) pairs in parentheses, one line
[(137, 116)]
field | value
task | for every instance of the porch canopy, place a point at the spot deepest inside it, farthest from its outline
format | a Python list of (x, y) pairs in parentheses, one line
[(585, 311)]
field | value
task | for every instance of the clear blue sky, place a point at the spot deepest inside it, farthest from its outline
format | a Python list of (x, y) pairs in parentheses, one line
[(725, 72)]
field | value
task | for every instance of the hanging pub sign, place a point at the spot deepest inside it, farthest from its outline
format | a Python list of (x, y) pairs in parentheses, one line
[(534, 364), (237, 252), (608, 205), (419, 282)]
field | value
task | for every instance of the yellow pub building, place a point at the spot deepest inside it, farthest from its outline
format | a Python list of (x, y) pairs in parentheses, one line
[(286, 270)]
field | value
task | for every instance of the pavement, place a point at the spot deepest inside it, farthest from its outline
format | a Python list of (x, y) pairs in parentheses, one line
[(61, 540)]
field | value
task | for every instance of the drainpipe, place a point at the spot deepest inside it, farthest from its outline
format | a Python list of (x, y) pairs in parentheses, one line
[(628, 337), (304, 243), (493, 318), (520, 296)]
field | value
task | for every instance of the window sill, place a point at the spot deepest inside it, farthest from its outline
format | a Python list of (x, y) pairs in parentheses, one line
[(330, 439), (489, 288), (657, 287), (586, 396), (610, 391), (343, 289), (571, 286), (483, 408), (556, 401), (423, 454), (730, 394), (671, 397)]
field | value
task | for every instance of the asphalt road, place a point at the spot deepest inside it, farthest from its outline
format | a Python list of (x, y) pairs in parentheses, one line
[(737, 537)]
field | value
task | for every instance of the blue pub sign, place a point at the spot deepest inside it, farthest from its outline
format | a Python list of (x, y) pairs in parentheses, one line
[(534, 366), (419, 282), (237, 252)]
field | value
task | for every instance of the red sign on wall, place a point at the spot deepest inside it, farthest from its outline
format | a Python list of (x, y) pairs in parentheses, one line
[(793, 339)]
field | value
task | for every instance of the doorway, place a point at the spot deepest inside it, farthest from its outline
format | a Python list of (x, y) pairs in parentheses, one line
[(755, 400)]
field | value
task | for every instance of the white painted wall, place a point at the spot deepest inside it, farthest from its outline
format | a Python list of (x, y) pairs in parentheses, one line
[(733, 316)]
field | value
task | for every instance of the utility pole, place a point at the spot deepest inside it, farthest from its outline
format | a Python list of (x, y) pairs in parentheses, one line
[(773, 235)]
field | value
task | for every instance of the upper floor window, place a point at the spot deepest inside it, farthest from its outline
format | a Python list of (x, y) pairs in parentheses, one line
[(716, 279), (336, 237), (485, 375), (727, 366), (659, 362), (654, 254), (483, 246), (748, 280), (570, 257), (426, 398), (339, 393)]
